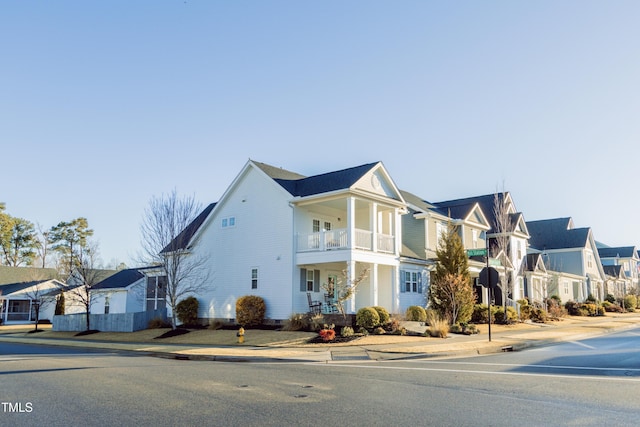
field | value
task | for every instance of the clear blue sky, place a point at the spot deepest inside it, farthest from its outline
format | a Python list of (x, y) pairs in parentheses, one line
[(105, 104)]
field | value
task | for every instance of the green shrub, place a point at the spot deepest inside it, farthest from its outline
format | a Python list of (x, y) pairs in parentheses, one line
[(347, 331), (250, 310), (415, 313), (630, 302), (187, 311), (539, 315), (610, 298), (480, 314), (509, 319), (525, 312), (383, 314), (367, 317), (379, 331), (612, 308)]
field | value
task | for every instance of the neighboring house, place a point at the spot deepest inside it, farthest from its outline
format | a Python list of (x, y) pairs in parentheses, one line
[(617, 282), (566, 249), (282, 236), (423, 228), (535, 285), (122, 292), (565, 285), (74, 302), (21, 288), (484, 210), (626, 257)]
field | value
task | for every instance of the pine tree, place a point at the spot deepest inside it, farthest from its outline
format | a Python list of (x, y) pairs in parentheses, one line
[(450, 292)]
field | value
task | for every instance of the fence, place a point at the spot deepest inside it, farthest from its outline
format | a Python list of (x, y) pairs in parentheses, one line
[(113, 322)]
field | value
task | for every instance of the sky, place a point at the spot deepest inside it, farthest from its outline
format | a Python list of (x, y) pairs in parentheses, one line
[(106, 104)]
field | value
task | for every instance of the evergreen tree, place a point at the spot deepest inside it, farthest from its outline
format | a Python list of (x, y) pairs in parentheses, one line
[(450, 292), (68, 239)]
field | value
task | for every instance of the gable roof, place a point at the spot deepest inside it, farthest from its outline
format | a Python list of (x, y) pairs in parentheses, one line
[(25, 274), (121, 279), (326, 182), (416, 202), (12, 288), (614, 271), (181, 241), (621, 252), (557, 233)]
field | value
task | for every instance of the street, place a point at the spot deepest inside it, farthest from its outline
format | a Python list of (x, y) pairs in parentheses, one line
[(589, 382)]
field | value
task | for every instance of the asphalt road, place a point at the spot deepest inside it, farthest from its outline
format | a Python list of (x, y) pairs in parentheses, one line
[(590, 382)]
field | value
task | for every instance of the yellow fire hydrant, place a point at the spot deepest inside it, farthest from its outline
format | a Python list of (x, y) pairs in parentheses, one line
[(240, 335)]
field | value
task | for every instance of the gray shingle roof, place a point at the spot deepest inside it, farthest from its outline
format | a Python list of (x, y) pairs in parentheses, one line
[(25, 274), (121, 279), (182, 240), (555, 234), (324, 183), (622, 252)]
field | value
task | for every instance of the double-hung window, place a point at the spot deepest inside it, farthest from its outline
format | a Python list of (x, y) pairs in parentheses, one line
[(254, 278)]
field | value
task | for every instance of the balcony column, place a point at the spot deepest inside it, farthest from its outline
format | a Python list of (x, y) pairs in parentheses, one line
[(351, 222), (373, 220), (397, 231)]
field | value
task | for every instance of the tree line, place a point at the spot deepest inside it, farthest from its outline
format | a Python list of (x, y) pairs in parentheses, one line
[(63, 246)]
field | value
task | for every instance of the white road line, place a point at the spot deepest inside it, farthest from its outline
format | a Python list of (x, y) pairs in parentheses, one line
[(469, 371), (516, 365)]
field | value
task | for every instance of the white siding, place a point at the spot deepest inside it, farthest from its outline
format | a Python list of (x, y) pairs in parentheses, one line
[(261, 238)]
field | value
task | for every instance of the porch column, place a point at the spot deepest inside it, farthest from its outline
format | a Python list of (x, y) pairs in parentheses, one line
[(351, 222), (373, 214), (395, 289), (351, 271), (373, 297)]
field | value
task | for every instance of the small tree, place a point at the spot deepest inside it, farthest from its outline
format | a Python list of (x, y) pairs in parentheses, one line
[(165, 243), (86, 274), (41, 299), (450, 293), (344, 289)]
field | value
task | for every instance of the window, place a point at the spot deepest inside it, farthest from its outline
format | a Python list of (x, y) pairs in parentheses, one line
[(228, 222), (565, 287), (106, 305), (156, 292), (309, 280), (254, 278), (316, 225), (412, 282)]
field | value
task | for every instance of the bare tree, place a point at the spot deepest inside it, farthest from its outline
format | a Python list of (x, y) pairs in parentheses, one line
[(344, 289), (166, 234), (41, 297), (502, 236), (86, 274), (43, 245)]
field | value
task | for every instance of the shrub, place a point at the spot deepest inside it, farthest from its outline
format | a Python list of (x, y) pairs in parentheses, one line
[(438, 326), (347, 331), (510, 318), (157, 323), (630, 302), (250, 310), (383, 314), (296, 322), (591, 299), (539, 315), (379, 331), (612, 308), (526, 312), (610, 298), (214, 325), (480, 314), (367, 317), (394, 324), (415, 313), (316, 322), (555, 310), (187, 311), (327, 334)]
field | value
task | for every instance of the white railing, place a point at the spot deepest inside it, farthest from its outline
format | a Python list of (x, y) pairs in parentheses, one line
[(338, 239), (386, 243)]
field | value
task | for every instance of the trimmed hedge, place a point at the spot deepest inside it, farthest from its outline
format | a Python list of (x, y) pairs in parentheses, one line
[(415, 313), (250, 310)]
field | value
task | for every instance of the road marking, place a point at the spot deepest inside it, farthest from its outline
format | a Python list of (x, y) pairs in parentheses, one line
[(517, 365), (583, 344), (469, 371)]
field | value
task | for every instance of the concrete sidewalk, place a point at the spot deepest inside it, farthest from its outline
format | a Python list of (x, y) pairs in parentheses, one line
[(373, 347)]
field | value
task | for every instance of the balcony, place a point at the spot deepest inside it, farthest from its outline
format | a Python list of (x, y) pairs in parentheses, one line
[(338, 239)]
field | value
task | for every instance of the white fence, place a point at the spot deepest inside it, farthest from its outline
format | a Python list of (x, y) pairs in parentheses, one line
[(113, 322)]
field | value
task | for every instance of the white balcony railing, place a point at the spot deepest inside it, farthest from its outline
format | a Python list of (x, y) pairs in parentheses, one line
[(338, 239)]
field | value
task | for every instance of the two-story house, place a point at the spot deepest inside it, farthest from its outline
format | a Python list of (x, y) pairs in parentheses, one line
[(624, 276), (285, 237), (508, 236), (566, 249)]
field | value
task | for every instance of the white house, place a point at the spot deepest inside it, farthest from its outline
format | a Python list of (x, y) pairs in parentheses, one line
[(284, 237)]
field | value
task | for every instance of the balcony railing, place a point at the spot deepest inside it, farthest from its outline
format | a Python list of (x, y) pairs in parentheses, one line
[(338, 239)]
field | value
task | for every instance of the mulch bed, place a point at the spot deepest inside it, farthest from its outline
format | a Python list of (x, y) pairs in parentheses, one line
[(337, 339)]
